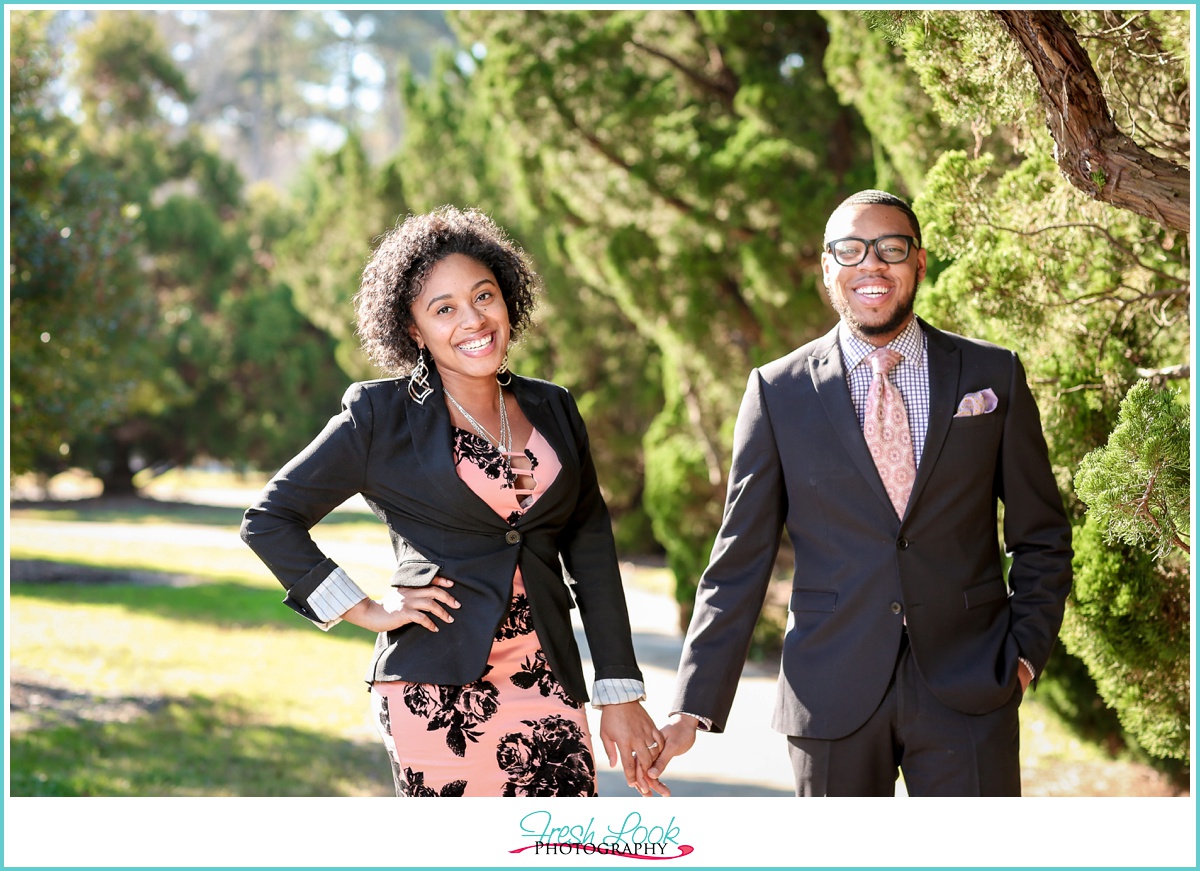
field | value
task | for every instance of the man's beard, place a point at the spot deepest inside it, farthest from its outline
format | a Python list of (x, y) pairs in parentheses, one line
[(867, 331)]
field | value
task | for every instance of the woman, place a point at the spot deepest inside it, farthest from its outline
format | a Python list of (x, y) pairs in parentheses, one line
[(486, 483)]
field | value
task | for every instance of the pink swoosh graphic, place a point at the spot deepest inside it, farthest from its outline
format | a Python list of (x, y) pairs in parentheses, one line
[(684, 850)]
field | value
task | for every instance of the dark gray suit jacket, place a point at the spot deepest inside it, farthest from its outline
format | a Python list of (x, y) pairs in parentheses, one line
[(398, 455), (800, 463)]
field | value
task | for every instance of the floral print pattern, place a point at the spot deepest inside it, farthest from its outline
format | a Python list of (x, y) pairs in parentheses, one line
[(551, 759), (458, 710), (413, 785), (518, 621), (480, 452), (536, 673)]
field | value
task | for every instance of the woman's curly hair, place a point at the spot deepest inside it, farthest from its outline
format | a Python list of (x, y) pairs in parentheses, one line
[(403, 260)]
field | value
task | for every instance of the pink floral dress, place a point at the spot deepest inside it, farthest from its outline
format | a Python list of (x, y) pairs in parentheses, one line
[(514, 731)]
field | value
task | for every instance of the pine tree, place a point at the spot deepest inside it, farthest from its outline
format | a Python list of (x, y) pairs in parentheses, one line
[(1138, 485)]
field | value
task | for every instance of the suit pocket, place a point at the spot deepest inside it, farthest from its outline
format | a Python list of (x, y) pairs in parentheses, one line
[(984, 593), (974, 420), (813, 600)]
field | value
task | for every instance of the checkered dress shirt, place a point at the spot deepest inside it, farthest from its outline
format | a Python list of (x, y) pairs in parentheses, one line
[(910, 375)]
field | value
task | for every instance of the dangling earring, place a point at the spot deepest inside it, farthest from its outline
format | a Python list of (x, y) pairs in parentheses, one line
[(418, 381), (503, 371)]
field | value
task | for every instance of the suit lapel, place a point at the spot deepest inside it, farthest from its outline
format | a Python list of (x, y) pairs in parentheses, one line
[(945, 366), (829, 377), (541, 416)]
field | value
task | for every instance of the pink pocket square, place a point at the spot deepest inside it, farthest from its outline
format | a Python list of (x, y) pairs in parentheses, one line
[(972, 404)]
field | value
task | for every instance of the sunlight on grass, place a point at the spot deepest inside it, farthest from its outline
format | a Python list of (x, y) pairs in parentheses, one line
[(283, 673), (1046, 741), (246, 705), (207, 552), (254, 699), (193, 746)]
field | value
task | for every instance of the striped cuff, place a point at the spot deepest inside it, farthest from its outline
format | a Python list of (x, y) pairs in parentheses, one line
[(705, 722), (1029, 665), (617, 691), (336, 595)]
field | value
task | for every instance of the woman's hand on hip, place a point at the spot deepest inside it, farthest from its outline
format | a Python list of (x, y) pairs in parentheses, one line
[(404, 605)]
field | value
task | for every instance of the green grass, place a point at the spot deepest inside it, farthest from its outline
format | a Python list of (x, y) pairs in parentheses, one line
[(197, 746), (223, 689), (244, 693)]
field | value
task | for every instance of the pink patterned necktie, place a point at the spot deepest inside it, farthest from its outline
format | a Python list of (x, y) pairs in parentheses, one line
[(886, 430)]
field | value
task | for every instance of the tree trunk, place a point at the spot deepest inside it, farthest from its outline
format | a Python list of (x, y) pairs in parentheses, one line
[(1094, 155), (115, 473)]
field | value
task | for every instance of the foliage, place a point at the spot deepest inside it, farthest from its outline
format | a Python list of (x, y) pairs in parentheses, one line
[(141, 278), (1138, 486), (74, 276), (1129, 623), (871, 74), (687, 161), (343, 205)]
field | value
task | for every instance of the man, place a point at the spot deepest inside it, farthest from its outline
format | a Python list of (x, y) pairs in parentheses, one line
[(905, 647)]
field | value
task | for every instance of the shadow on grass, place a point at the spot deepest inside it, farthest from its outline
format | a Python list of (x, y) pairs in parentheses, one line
[(139, 509), (222, 603), (189, 746)]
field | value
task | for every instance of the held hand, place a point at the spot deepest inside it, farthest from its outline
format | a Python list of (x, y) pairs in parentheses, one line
[(678, 737), (404, 605), (628, 730)]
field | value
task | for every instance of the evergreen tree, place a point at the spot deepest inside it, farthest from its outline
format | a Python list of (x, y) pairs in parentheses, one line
[(136, 262), (1138, 486), (343, 205), (82, 336), (688, 160)]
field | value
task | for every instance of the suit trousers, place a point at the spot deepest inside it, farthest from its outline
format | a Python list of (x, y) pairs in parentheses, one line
[(941, 751)]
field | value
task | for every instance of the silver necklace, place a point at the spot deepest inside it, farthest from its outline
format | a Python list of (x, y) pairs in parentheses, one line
[(504, 443)]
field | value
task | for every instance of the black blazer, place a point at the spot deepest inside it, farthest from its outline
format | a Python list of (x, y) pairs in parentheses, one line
[(800, 462), (398, 455)]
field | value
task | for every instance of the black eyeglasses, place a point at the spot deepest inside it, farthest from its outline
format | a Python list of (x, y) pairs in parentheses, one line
[(852, 251)]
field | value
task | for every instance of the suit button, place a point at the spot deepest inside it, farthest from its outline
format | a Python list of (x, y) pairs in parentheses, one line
[(512, 537), (902, 543), (896, 607)]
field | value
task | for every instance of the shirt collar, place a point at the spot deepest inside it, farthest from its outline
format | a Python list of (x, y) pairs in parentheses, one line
[(910, 344)]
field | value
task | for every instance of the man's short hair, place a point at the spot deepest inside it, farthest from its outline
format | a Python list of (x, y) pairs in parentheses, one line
[(879, 198)]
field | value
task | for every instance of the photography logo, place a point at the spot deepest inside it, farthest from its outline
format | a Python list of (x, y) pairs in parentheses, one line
[(633, 838)]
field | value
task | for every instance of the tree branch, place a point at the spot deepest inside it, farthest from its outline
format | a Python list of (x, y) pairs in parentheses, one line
[(1067, 225), (1167, 373), (724, 85), (680, 205), (1092, 152)]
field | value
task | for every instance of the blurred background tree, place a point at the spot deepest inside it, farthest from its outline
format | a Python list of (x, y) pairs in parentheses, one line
[(683, 184), (195, 193), (138, 334)]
